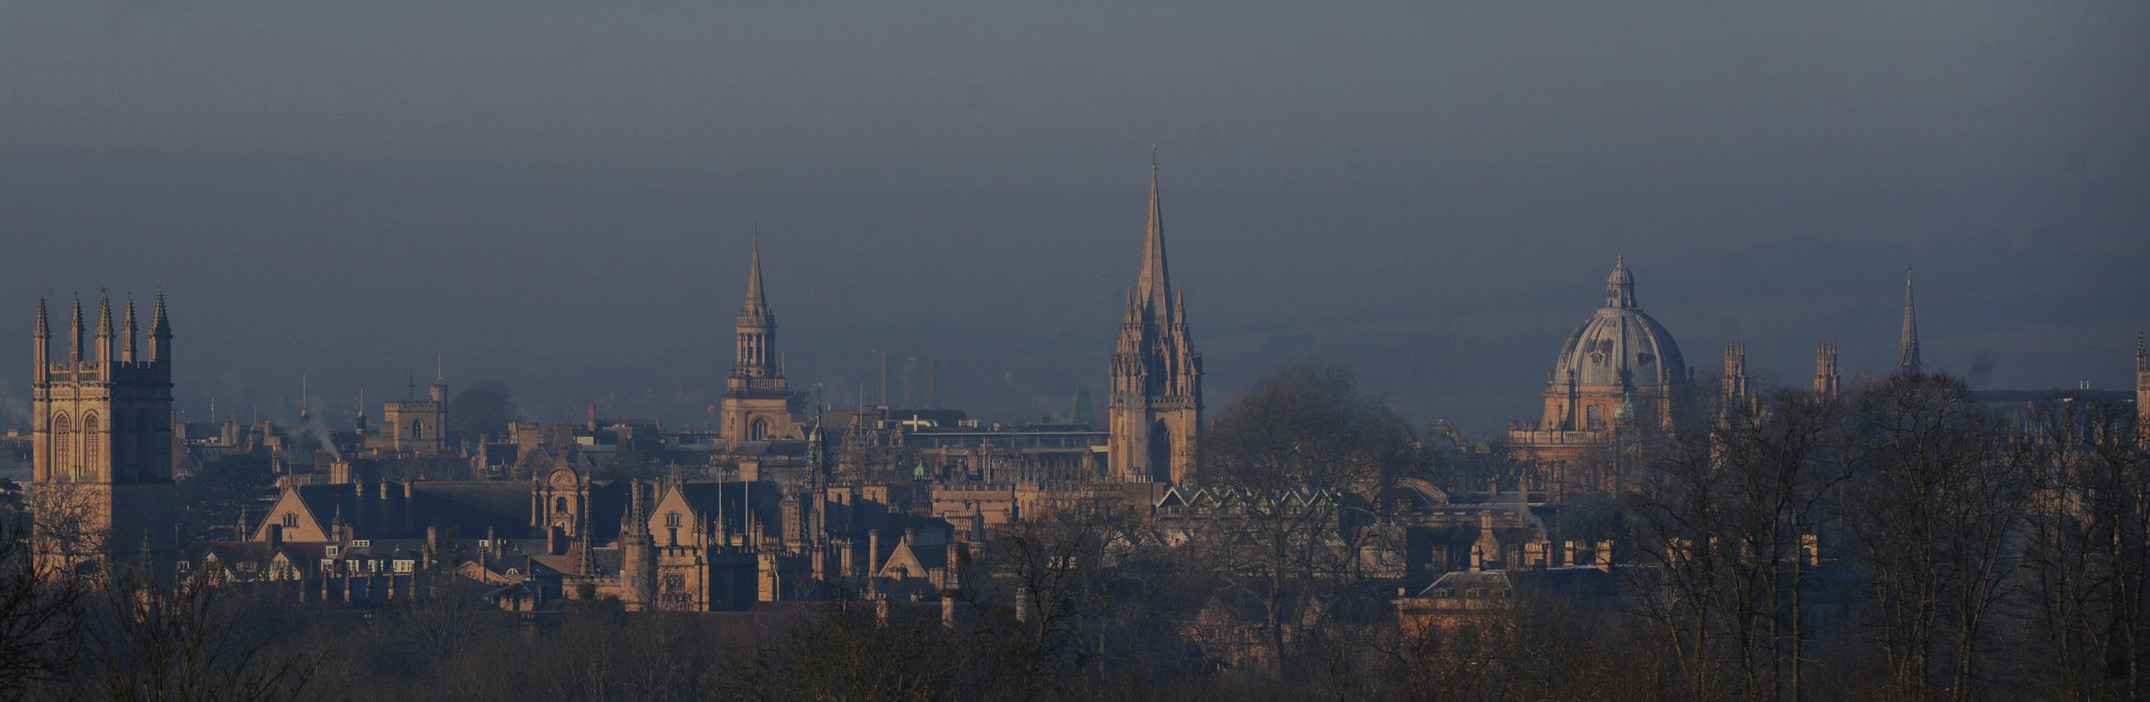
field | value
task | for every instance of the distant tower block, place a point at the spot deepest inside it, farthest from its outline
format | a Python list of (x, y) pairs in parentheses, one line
[(1155, 410), (102, 445)]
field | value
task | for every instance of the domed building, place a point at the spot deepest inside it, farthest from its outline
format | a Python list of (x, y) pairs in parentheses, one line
[(1617, 369)]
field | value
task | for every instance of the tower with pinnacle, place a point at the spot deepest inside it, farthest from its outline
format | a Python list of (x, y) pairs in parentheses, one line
[(1155, 410), (758, 405), (102, 443)]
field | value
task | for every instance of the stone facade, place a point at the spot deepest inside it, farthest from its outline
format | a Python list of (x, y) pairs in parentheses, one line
[(102, 448)]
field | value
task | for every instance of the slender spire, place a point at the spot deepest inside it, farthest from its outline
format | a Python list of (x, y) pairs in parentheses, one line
[(1155, 286), (754, 272), (1907, 347), (74, 333), (160, 333), (127, 352), (43, 330)]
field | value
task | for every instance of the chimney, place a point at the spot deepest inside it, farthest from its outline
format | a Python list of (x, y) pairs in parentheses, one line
[(948, 611), (433, 539), (276, 535), (873, 551), (1478, 557)]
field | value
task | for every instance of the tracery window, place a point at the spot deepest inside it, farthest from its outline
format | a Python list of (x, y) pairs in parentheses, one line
[(89, 441), (63, 446)]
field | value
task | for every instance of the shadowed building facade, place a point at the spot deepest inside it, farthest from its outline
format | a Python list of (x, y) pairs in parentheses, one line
[(1155, 411), (102, 444)]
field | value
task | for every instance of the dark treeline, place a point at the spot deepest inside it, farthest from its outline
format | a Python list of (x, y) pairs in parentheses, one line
[(1898, 543)]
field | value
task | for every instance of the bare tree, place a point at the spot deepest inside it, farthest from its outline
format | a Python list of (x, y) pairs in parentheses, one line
[(1936, 510), (1293, 473), (150, 641), (38, 616)]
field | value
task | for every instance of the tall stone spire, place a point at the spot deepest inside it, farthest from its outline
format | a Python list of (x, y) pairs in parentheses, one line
[(1154, 288), (754, 275), (104, 329), (1907, 347), (757, 327), (41, 342), (126, 352), (160, 334), (1156, 402), (74, 333)]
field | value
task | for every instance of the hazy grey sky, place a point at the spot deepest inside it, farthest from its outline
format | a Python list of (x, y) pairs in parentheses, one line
[(561, 195)]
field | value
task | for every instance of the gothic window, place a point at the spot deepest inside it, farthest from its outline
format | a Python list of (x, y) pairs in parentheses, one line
[(671, 520), (63, 447), (89, 441), (760, 429), (417, 430), (291, 520)]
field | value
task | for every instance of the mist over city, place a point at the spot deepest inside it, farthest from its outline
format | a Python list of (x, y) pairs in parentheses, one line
[(1075, 351)]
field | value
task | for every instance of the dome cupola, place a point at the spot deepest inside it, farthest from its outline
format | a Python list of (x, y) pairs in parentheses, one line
[(1620, 345)]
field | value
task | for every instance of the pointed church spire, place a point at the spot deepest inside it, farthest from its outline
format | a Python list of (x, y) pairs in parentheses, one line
[(160, 333), (104, 327), (754, 273), (1907, 347), (74, 333), (126, 353), (1155, 287), (43, 330)]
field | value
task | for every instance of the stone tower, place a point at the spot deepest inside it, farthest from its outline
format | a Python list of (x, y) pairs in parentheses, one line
[(1825, 375), (102, 445), (1155, 411), (1907, 345), (1735, 376), (757, 404)]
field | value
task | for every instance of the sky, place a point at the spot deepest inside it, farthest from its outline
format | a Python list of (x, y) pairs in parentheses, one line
[(562, 196)]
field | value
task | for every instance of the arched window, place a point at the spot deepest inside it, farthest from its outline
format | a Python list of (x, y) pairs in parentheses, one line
[(63, 447), (291, 520), (559, 504), (671, 520), (90, 441), (417, 430), (759, 430)]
